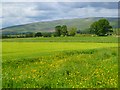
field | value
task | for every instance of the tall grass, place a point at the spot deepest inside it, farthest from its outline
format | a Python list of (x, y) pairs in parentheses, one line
[(94, 68), (60, 62)]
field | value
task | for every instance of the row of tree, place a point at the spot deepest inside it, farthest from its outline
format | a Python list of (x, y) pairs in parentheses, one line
[(100, 28), (59, 31), (28, 34)]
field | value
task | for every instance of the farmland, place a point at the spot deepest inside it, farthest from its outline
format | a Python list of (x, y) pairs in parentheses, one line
[(60, 62), (80, 38)]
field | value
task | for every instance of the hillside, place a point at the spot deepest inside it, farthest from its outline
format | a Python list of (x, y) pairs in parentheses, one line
[(48, 26)]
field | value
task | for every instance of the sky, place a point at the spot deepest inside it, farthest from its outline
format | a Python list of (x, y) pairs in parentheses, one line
[(20, 12)]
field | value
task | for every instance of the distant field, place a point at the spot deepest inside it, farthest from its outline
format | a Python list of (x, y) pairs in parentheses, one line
[(109, 39), (18, 50), (65, 62)]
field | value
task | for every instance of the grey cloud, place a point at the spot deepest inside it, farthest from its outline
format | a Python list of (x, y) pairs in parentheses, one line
[(47, 6), (108, 5), (42, 11)]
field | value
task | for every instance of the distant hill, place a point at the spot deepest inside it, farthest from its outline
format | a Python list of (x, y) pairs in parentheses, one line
[(48, 26)]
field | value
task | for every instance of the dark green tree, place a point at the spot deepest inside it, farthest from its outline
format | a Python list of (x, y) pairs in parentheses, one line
[(38, 34), (29, 34), (58, 30), (101, 27), (64, 31), (47, 34)]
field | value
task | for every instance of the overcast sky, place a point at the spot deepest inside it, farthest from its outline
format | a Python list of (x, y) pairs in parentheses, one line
[(16, 13)]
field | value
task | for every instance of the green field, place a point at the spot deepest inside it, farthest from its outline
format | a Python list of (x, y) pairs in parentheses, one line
[(81, 38), (64, 62)]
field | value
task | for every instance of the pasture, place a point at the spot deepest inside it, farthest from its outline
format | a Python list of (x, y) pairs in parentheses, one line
[(79, 38), (64, 62)]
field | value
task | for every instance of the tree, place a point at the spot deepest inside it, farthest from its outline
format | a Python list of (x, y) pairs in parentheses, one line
[(64, 31), (101, 27), (46, 34), (61, 30), (78, 32), (29, 34), (38, 34), (58, 30), (72, 31)]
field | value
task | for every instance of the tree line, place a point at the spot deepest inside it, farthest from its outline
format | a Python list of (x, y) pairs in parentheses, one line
[(101, 27), (28, 34)]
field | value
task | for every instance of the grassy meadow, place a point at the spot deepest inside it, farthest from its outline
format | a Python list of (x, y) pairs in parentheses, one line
[(79, 38), (64, 62)]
